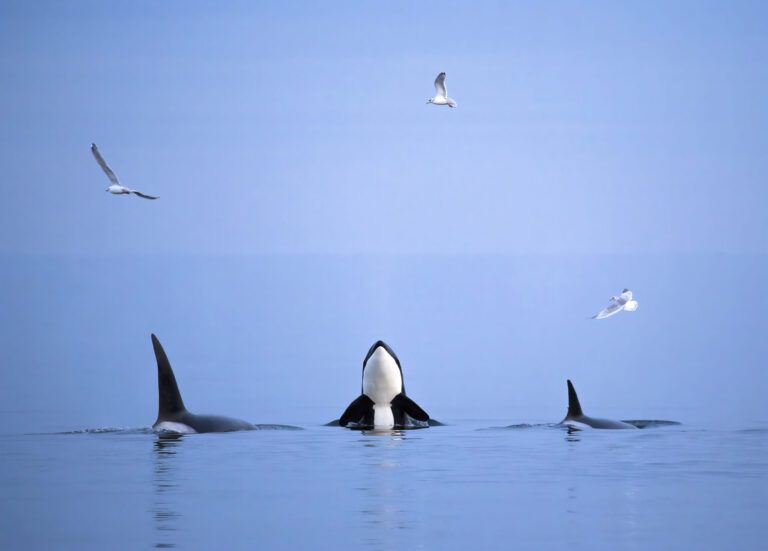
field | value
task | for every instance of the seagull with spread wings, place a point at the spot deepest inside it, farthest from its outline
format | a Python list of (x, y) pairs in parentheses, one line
[(441, 93), (622, 302), (116, 188)]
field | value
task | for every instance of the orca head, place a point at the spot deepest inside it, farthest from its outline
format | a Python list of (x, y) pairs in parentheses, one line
[(381, 349), (381, 357)]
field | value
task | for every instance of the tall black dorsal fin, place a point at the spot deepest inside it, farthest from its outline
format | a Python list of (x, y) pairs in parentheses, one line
[(574, 407), (169, 402)]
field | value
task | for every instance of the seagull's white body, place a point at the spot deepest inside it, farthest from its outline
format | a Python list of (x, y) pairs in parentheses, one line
[(116, 188), (622, 302), (441, 93)]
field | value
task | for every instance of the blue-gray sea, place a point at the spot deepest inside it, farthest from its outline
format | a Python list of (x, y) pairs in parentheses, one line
[(455, 487), (486, 344)]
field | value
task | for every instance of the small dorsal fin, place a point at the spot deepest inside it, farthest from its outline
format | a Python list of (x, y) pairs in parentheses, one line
[(169, 397), (574, 407)]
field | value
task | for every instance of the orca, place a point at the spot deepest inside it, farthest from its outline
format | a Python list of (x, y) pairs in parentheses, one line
[(172, 416), (383, 403), (575, 418)]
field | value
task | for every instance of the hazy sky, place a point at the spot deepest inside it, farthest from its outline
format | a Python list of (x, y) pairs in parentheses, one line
[(302, 126), (584, 129)]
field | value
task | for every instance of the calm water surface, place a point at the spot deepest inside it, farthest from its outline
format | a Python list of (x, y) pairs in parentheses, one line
[(463, 486)]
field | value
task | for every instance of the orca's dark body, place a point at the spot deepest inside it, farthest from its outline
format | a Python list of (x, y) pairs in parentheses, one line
[(575, 416), (172, 416)]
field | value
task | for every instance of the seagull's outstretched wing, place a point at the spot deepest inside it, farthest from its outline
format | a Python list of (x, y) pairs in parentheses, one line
[(103, 165), (613, 308), (440, 89), (143, 195)]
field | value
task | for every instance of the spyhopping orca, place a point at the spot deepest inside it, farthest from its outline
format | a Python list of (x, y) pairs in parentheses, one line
[(383, 403), (172, 416), (575, 418)]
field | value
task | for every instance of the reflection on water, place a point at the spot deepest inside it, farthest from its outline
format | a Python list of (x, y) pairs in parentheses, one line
[(395, 433), (572, 435), (383, 491), (166, 485)]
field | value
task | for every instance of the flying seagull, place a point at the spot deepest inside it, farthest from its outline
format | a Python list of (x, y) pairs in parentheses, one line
[(622, 302), (116, 188), (441, 93)]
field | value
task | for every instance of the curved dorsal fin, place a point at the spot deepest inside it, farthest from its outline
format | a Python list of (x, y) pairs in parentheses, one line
[(574, 407), (169, 402)]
